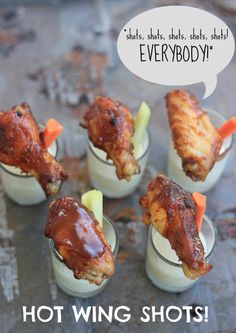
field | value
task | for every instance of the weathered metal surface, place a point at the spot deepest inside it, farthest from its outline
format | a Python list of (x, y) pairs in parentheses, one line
[(26, 276)]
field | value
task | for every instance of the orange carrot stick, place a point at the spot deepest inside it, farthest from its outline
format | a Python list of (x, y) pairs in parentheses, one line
[(228, 128), (52, 130), (200, 201)]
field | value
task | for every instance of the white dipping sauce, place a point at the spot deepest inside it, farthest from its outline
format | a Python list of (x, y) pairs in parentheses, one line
[(82, 288), (176, 172), (22, 188), (167, 273), (103, 173)]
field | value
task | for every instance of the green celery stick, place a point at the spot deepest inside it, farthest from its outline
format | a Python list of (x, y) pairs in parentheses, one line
[(93, 200), (141, 124)]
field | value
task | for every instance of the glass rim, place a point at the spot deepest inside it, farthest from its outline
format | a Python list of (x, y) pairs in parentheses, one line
[(207, 257), (231, 137), (27, 175), (114, 252), (111, 163)]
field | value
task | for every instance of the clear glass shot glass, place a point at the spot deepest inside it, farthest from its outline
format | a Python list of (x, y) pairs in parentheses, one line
[(164, 270), (64, 276), (23, 188), (102, 172), (174, 163)]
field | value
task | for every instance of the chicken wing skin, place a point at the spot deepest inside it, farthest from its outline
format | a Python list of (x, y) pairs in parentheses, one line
[(172, 211), (21, 146), (196, 140), (79, 239), (110, 127)]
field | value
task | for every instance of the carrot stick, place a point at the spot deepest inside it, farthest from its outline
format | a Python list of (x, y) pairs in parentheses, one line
[(52, 130), (200, 201), (228, 128)]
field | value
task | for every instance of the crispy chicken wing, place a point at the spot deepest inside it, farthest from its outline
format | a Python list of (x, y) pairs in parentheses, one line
[(110, 127), (172, 211), (196, 140), (80, 241), (21, 146)]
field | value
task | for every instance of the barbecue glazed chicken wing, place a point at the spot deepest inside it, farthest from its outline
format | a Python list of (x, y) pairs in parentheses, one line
[(110, 127), (172, 211), (196, 140), (21, 146), (79, 240)]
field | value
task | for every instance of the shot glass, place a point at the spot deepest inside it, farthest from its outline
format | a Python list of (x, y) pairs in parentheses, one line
[(103, 173), (64, 276), (174, 163), (23, 188), (162, 265)]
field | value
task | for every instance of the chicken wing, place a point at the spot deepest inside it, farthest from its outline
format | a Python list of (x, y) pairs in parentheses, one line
[(172, 211), (21, 146), (196, 140), (80, 241), (110, 127)]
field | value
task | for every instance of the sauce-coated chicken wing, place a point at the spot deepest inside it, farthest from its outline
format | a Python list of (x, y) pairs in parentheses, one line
[(80, 241), (110, 127), (196, 140), (172, 211), (21, 146)]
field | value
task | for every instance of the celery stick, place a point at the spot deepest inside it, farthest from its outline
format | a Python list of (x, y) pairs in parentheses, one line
[(93, 200), (141, 124), (85, 200)]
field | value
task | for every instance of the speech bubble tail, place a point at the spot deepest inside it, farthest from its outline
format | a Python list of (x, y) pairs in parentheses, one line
[(210, 86)]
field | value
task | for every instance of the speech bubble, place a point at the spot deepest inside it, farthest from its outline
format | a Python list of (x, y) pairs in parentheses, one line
[(176, 46)]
